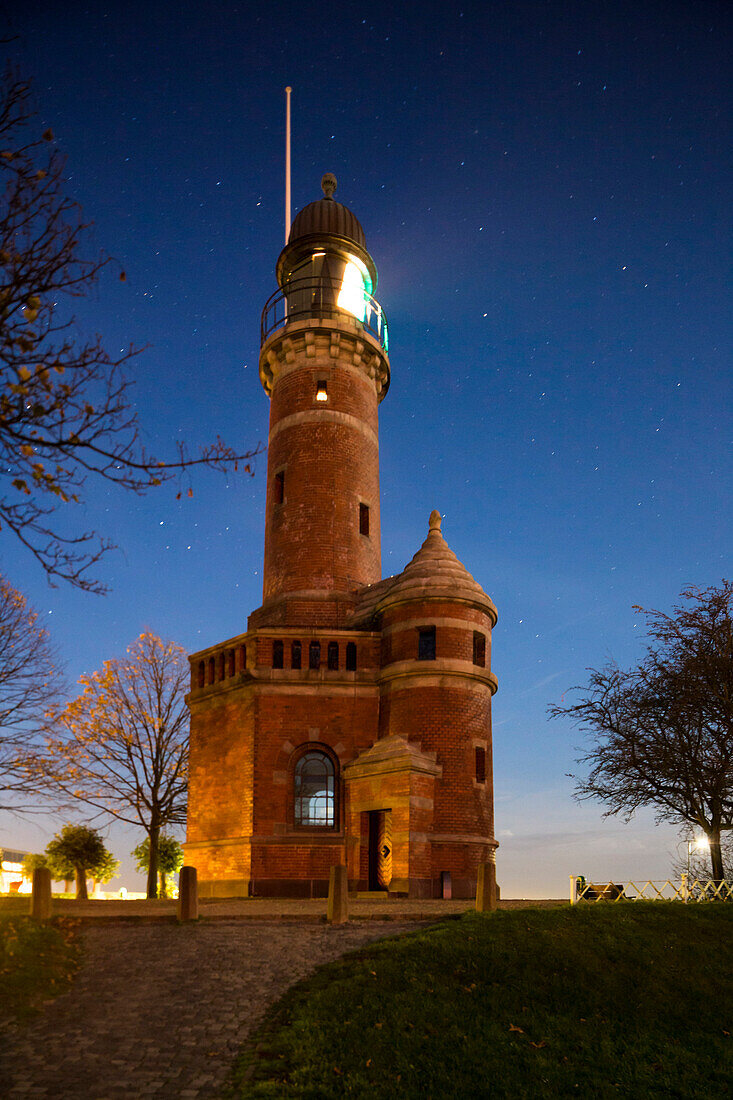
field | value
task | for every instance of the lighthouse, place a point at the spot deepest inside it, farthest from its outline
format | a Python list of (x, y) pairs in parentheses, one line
[(350, 723)]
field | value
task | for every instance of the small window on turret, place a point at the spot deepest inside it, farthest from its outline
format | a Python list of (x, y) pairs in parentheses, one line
[(277, 654), (480, 764), (426, 644), (363, 519), (351, 657), (333, 656), (322, 390), (314, 655), (279, 490), (295, 655), (479, 649)]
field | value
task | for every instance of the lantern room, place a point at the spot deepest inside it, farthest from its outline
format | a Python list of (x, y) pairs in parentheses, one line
[(325, 270)]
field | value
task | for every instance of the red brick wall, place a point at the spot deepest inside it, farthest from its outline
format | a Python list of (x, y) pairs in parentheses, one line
[(330, 461)]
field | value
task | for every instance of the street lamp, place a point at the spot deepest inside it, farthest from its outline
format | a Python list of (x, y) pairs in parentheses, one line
[(696, 843)]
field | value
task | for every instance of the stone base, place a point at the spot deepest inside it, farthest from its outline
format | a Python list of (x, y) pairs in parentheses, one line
[(289, 888), (224, 888)]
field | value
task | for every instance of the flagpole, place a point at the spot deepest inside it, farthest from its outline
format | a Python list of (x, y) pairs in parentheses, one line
[(288, 90)]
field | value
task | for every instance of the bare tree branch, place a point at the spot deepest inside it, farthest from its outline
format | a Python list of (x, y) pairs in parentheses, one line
[(661, 734), (66, 407), (30, 683)]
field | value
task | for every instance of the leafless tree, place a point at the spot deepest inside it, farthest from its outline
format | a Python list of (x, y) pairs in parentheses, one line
[(66, 406), (122, 745), (30, 682), (662, 732)]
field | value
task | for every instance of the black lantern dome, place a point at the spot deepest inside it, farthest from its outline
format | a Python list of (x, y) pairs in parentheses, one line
[(327, 216), (325, 227)]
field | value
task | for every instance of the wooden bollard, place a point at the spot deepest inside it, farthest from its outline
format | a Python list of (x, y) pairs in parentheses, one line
[(486, 887), (41, 896), (338, 896), (188, 894)]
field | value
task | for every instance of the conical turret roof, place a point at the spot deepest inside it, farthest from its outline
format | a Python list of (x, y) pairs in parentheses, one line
[(434, 573)]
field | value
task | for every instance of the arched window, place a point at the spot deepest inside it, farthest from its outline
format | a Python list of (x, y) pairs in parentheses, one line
[(202, 674), (314, 791), (277, 654), (351, 656), (314, 655), (231, 663), (222, 666), (212, 667), (295, 655)]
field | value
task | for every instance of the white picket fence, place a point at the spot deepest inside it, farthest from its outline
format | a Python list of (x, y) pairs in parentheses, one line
[(686, 890)]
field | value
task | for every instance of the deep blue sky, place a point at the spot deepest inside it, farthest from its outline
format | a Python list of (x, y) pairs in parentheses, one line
[(543, 189)]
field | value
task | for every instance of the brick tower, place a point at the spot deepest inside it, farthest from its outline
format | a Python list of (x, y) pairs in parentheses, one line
[(351, 722)]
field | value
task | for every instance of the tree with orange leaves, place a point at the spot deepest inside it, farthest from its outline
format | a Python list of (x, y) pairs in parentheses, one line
[(122, 745)]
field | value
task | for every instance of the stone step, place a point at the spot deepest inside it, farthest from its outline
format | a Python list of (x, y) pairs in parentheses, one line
[(371, 895)]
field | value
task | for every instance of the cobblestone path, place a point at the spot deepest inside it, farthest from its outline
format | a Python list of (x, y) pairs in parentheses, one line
[(161, 1011)]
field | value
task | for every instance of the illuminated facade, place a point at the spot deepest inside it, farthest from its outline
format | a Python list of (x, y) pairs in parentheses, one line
[(351, 722)]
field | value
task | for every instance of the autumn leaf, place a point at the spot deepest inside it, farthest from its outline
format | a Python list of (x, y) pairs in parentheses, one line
[(513, 1027)]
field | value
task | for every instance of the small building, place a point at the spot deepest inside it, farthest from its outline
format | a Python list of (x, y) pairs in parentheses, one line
[(351, 722), (12, 879)]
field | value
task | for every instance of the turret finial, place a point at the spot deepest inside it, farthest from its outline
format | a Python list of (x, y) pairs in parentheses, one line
[(435, 520), (329, 183)]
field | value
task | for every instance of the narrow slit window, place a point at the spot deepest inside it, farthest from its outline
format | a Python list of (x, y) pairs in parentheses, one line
[(426, 644), (333, 656), (212, 670), (277, 654), (351, 656), (480, 764), (363, 519), (231, 661), (279, 487), (314, 655), (222, 666), (479, 649), (202, 674), (242, 658), (296, 655), (322, 390)]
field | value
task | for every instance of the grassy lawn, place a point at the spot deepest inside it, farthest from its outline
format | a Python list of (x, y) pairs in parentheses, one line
[(607, 1000), (37, 962)]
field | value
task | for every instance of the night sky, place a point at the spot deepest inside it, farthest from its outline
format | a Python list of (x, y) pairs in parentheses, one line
[(543, 190)]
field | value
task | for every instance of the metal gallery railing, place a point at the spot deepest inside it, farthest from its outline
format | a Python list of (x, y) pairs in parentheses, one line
[(299, 299), (686, 889)]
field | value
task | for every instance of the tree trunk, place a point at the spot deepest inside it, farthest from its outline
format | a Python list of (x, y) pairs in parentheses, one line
[(153, 862), (81, 884), (67, 885), (716, 856), (163, 885)]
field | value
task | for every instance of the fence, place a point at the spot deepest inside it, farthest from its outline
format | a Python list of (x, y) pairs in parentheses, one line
[(687, 890)]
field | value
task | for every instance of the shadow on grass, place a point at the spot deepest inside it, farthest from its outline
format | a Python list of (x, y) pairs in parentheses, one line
[(613, 1000)]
